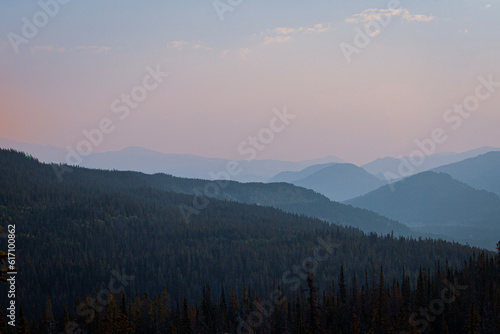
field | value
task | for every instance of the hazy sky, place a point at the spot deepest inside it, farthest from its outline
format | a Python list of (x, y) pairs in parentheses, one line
[(226, 76)]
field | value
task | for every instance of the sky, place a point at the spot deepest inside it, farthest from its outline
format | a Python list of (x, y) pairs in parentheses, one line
[(358, 79)]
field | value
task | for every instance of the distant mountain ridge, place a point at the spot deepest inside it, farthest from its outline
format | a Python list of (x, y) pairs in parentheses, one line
[(402, 167), (150, 162), (291, 176), (438, 204), (481, 172), (284, 196), (340, 182)]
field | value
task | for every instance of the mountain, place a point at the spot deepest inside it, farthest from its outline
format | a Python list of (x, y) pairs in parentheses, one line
[(340, 182), (397, 168), (284, 196), (150, 162), (325, 160), (290, 177), (95, 232), (481, 172), (437, 203)]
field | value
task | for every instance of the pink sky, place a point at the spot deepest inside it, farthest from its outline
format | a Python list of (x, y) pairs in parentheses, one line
[(226, 78)]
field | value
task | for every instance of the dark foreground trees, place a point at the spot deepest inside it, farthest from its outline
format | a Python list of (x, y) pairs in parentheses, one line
[(441, 301)]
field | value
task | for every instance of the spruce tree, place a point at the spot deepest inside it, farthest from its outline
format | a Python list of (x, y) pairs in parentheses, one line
[(185, 321), (3, 271), (498, 255), (473, 321), (3, 325), (314, 311), (22, 325), (48, 322)]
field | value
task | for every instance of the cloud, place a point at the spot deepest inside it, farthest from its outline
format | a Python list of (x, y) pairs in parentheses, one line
[(201, 47), (224, 54), (243, 53), (277, 39), (94, 49), (284, 31), (286, 34), (418, 18), (180, 45), (487, 6), (376, 14), (318, 28)]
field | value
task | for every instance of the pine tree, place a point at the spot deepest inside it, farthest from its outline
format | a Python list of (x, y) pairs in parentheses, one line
[(222, 310), (48, 322), (314, 312), (63, 320), (342, 287), (498, 255), (378, 322), (108, 322), (298, 323), (122, 324), (22, 325), (3, 325), (354, 322), (185, 321), (3, 271), (234, 310), (473, 321)]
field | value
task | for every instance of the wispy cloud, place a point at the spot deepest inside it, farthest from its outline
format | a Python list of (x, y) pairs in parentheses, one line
[(180, 45), (318, 28), (243, 53), (284, 31), (286, 34), (177, 44), (377, 14), (277, 39), (94, 49)]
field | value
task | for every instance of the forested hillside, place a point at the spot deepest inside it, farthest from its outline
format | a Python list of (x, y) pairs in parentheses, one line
[(76, 234), (284, 196)]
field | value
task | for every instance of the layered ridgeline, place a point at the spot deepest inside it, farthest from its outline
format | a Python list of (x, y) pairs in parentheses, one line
[(437, 203), (389, 167), (150, 162), (292, 176), (340, 182), (287, 197), (482, 172), (74, 234)]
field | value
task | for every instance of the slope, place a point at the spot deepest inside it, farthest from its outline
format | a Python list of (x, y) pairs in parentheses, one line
[(441, 204), (341, 182), (481, 172)]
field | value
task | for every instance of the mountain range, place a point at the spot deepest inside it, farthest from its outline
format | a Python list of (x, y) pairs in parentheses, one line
[(77, 233), (338, 182), (463, 194), (150, 162), (481, 172), (436, 203), (403, 166)]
